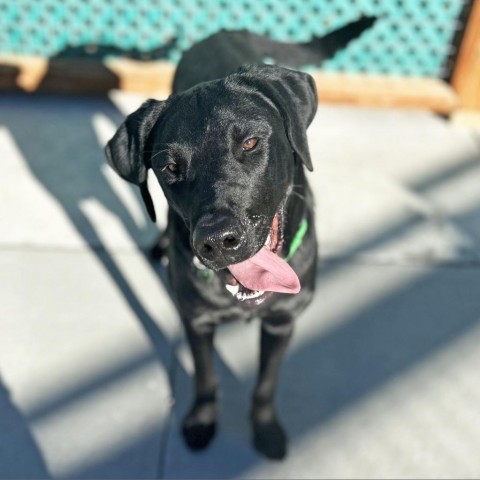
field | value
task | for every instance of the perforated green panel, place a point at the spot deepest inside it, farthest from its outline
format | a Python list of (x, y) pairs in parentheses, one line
[(411, 37)]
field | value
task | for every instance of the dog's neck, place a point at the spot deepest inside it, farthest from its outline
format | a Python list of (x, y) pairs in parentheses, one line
[(297, 209)]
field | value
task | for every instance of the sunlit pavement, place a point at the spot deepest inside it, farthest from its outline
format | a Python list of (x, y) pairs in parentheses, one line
[(382, 379)]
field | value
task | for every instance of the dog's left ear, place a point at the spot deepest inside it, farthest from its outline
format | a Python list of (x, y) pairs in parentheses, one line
[(128, 152), (294, 94)]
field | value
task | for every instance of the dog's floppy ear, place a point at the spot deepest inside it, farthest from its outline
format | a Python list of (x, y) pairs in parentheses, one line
[(294, 94), (128, 152)]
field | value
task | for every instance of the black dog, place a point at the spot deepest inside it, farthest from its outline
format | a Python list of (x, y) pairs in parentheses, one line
[(228, 148)]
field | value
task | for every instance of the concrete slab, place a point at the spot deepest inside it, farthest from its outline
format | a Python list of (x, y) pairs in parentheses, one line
[(86, 361), (388, 183)]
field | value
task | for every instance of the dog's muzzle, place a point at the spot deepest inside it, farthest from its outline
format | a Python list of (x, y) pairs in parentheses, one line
[(218, 240)]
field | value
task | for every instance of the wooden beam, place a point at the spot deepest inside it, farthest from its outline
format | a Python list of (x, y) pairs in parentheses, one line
[(22, 72), (385, 91), (466, 75), (84, 75), (65, 75)]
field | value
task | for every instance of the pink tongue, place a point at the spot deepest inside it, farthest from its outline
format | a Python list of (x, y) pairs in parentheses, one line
[(266, 271)]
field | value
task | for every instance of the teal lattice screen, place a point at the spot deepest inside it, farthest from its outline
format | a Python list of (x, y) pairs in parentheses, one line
[(411, 37)]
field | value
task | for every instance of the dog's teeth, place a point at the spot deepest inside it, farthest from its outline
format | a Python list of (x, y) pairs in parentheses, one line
[(241, 296), (259, 293), (248, 296), (233, 289), (267, 241)]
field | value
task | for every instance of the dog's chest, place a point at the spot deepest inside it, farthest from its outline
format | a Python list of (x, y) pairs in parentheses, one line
[(223, 316)]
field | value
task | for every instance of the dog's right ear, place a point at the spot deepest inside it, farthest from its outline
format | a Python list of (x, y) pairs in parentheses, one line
[(129, 150), (293, 93)]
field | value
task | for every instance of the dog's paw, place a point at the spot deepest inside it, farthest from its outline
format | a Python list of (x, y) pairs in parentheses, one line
[(198, 436), (270, 439), (199, 426)]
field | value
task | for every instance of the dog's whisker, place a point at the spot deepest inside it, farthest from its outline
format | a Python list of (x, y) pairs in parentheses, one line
[(301, 197), (159, 152)]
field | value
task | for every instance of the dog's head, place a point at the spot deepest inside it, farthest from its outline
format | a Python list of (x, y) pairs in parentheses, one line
[(224, 153)]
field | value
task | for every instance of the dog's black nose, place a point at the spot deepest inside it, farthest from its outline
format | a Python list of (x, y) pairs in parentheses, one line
[(217, 238)]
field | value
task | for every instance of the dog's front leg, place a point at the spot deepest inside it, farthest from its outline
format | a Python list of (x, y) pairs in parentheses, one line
[(200, 423), (268, 435)]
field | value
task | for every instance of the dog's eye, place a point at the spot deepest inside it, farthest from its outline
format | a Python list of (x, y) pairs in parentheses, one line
[(172, 168), (249, 144)]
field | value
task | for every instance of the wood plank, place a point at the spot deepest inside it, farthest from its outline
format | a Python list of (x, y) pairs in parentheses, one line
[(33, 74), (466, 75), (24, 72), (386, 91)]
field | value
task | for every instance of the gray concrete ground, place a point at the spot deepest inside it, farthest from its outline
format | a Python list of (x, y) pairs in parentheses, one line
[(382, 379)]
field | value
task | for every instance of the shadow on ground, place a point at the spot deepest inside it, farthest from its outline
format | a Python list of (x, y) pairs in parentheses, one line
[(17, 443)]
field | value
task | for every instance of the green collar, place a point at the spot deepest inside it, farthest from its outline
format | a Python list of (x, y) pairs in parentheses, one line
[(297, 239)]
